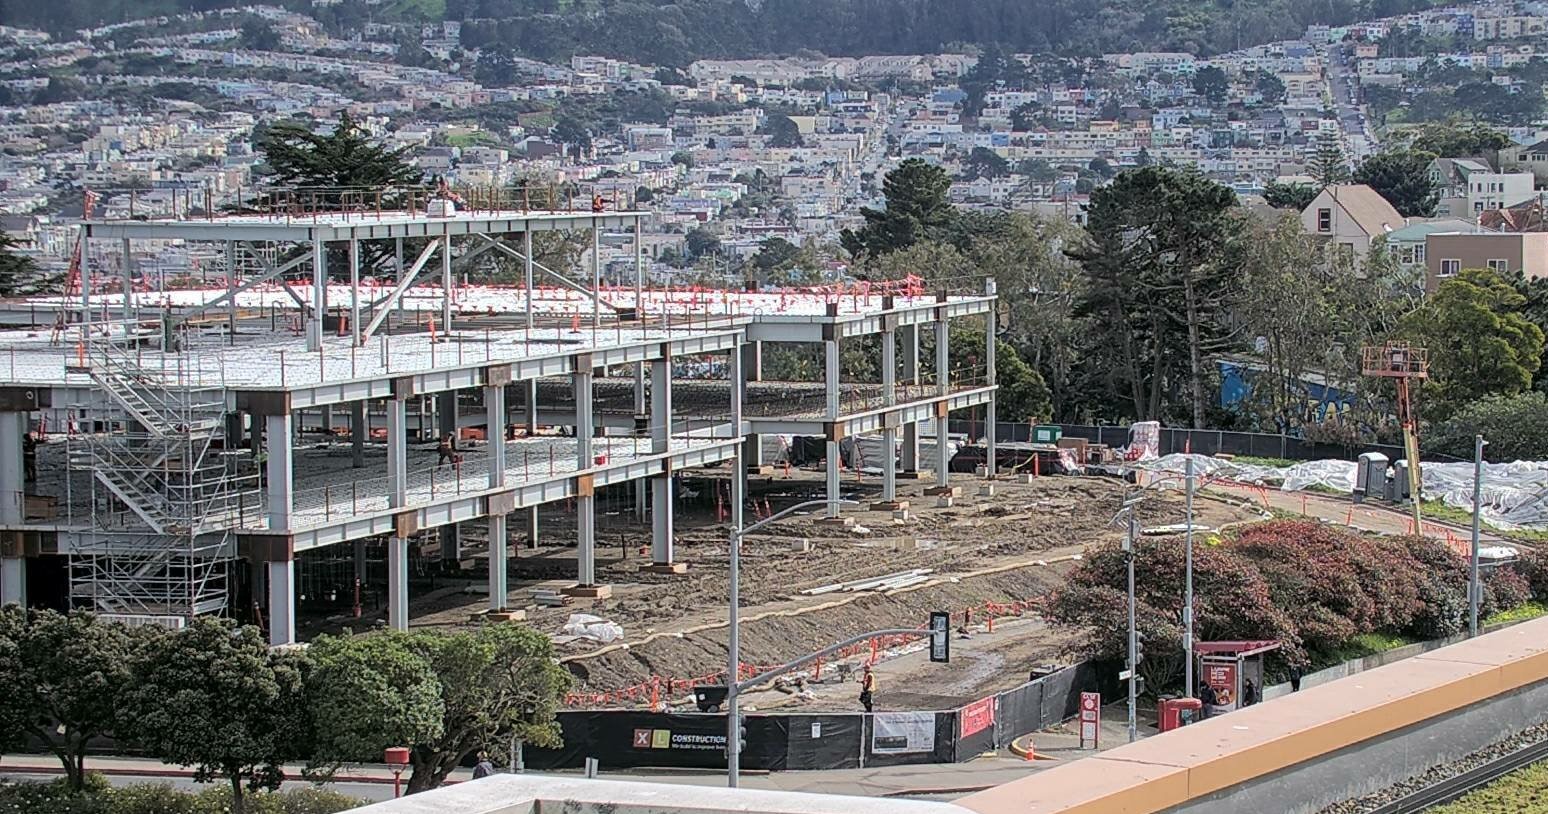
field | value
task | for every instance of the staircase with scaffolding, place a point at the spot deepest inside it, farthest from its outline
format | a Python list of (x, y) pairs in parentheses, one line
[(158, 541)]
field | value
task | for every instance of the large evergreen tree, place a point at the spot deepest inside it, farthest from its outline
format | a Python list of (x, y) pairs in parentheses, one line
[(345, 159), (917, 209), (1403, 178), (1326, 164), (1479, 340), (18, 272)]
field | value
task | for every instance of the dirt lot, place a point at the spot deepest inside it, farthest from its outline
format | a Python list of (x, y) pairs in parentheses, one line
[(1013, 546)]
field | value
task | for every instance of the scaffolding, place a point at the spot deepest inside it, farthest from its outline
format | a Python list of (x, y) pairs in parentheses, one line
[(158, 536)]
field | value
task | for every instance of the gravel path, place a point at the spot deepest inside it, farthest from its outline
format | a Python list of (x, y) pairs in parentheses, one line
[(1371, 802)]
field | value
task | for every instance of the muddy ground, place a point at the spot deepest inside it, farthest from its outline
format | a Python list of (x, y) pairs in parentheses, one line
[(1013, 546)]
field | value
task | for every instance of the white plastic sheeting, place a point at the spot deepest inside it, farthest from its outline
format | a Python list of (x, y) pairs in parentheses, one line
[(1515, 495), (595, 628)]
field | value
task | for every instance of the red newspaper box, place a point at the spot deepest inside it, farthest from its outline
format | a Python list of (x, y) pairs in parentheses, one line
[(1175, 712)]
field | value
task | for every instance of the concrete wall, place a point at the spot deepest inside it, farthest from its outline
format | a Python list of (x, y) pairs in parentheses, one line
[(1375, 764), (536, 794)]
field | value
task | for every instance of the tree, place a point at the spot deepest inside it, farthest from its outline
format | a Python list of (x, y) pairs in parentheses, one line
[(1516, 426), (63, 675), (215, 697), (916, 210), (701, 241), (259, 35), (1403, 178), (983, 162), (1037, 169), (1307, 310), (644, 195), (1101, 168), (1211, 83), (1480, 343), (371, 692), (18, 273), (343, 159), (495, 682), (1159, 275), (1295, 197), (1452, 139), (683, 158), (784, 132), (1327, 164), (1270, 87), (775, 255)]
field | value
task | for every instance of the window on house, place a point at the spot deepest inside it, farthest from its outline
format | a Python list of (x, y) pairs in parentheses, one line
[(1324, 220), (1407, 254), (1478, 207), (1540, 156), (1499, 265), (1419, 253), (1449, 268)]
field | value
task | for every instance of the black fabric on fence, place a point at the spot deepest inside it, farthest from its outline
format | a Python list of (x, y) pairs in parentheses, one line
[(622, 739), (1203, 442), (1017, 712), (824, 741)]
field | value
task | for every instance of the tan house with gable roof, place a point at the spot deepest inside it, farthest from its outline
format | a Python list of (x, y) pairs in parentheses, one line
[(1350, 216)]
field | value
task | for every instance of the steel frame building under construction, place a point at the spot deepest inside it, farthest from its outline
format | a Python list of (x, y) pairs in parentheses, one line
[(171, 413)]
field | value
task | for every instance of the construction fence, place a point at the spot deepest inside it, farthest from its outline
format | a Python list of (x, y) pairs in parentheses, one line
[(1202, 442), (623, 739)]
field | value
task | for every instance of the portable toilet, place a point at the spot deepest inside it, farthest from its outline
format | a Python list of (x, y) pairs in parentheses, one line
[(1397, 491), (1370, 476)]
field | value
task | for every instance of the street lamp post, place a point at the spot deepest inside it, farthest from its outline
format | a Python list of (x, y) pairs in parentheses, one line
[(734, 633), (1473, 588), (1188, 581), (1128, 549)]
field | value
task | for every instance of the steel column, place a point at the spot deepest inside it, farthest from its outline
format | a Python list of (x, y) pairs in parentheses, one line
[(280, 474), (282, 602), (397, 583)]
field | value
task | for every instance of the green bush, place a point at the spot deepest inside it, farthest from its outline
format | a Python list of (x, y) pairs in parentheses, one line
[(162, 798), (1516, 426)]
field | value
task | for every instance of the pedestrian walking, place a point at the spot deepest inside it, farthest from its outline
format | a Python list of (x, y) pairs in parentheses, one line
[(484, 768), (1295, 678), (1249, 693), (446, 451), (867, 688)]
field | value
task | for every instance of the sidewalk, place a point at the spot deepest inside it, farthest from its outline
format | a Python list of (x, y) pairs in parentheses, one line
[(946, 780)]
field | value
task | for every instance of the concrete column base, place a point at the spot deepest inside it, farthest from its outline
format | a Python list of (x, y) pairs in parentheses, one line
[(760, 469), (916, 474), (986, 490), (889, 505), (589, 591), (846, 522), (946, 491), (666, 568)]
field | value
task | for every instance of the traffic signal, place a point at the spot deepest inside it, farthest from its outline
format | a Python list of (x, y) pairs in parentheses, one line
[(741, 736), (1139, 648)]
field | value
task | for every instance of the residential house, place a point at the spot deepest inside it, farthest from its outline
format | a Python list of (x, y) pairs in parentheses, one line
[(1350, 216), (1408, 246), (1468, 186), (1532, 158), (1447, 254)]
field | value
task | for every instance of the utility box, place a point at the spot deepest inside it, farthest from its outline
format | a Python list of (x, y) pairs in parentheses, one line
[(1047, 434), (1370, 477), (1172, 713)]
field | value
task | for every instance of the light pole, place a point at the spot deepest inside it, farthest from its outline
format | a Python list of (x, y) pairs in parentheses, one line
[(1188, 582), (1128, 547), (1472, 575), (734, 633)]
